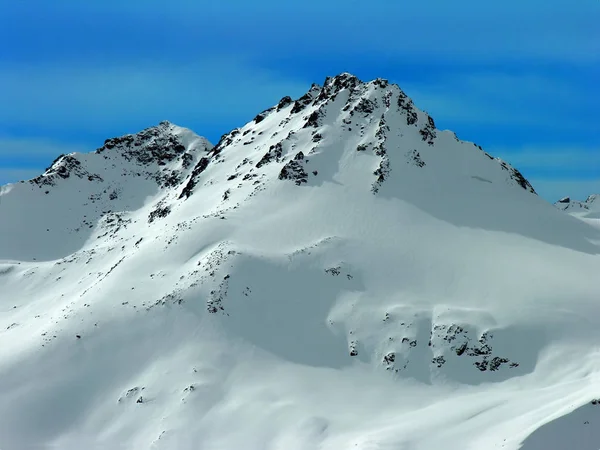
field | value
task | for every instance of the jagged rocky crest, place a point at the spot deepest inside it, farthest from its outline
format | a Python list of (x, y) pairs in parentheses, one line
[(146, 153), (343, 102), (377, 117), (155, 144)]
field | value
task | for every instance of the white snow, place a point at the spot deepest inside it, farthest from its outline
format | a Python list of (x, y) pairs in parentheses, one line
[(404, 296)]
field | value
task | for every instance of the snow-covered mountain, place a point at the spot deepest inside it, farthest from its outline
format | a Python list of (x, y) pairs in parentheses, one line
[(588, 208), (587, 211), (335, 274)]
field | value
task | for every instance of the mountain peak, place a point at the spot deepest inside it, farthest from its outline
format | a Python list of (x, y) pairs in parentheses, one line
[(158, 143), (374, 125), (150, 149)]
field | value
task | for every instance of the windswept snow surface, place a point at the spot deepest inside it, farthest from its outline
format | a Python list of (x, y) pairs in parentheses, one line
[(336, 274)]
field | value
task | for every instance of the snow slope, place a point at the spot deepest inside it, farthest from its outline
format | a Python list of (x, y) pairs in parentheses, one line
[(335, 274)]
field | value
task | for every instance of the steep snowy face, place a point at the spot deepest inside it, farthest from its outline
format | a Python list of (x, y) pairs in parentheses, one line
[(61, 207), (337, 273)]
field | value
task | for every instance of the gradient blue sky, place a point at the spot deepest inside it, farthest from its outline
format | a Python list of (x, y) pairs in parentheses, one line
[(518, 77)]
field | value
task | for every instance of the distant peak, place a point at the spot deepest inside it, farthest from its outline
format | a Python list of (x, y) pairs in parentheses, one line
[(158, 145), (590, 204), (151, 139), (589, 200)]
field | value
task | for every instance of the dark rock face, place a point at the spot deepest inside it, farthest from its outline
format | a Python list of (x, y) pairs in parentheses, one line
[(306, 99), (159, 212), (381, 83), (152, 145), (56, 160), (450, 346), (383, 171), (301, 103), (63, 168), (314, 120), (189, 187), (225, 140), (344, 81), (260, 117), (428, 131), (406, 105), (274, 154), (333, 85), (518, 177), (462, 344), (294, 170), (284, 102), (389, 359), (365, 107)]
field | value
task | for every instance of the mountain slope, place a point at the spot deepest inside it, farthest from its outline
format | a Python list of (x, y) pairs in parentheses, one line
[(60, 208), (337, 273)]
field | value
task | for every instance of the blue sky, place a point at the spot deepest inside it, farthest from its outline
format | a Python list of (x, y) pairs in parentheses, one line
[(519, 78)]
